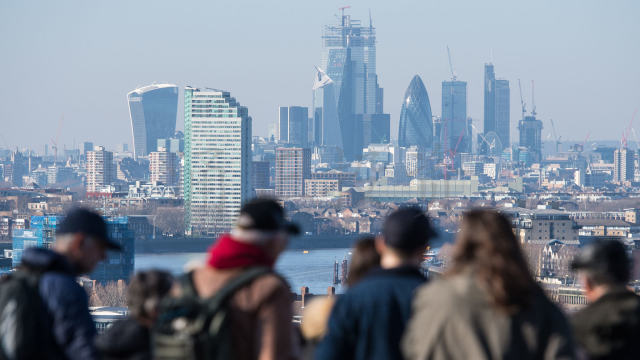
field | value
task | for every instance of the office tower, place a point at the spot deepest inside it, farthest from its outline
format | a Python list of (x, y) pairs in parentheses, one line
[(217, 160), (163, 167), (454, 133), (531, 137), (260, 174), (100, 169), (416, 127), (153, 110), (623, 165), (375, 129), (325, 110), (416, 162), (294, 125), (349, 60), (293, 166), (496, 113)]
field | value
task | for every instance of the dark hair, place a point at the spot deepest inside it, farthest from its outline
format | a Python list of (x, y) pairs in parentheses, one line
[(364, 258), (407, 230), (146, 290), (487, 245)]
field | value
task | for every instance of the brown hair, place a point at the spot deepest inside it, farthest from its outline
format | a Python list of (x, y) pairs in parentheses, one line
[(364, 258), (486, 244)]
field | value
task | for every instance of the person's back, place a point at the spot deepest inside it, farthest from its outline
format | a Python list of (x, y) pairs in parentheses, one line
[(609, 327), (367, 321)]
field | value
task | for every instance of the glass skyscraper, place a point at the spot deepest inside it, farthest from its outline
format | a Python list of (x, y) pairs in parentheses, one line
[(496, 112), (293, 125), (217, 160), (153, 111), (454, 133), (416, 126)]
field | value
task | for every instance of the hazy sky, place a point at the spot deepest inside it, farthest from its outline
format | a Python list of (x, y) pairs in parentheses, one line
[(80, 58)]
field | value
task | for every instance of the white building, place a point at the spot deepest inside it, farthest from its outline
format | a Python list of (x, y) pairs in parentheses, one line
[(163, 167), (100, 169), (217, 160)]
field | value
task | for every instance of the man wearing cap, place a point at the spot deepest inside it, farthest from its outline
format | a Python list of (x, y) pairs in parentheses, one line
[(81, 243), (260, 312), (609, 327), (367, 322)]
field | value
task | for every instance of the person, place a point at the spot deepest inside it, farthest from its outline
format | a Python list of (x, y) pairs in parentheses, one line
[(487, 305), (365, 257), (130, 338), (368, 320), (609, 327), (260, 312), (81, 242)]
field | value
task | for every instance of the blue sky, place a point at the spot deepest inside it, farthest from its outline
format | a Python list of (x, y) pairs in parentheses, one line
[(78, 59)]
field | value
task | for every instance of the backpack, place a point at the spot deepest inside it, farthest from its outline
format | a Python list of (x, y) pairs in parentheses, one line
[(23, 333), (190, 328)]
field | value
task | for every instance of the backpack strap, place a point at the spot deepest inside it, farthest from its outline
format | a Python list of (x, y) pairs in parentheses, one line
[(234, 284)]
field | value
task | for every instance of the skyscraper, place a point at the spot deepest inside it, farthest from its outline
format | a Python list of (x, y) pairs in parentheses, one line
[(325, 110), (623, 165), (293, 166), (100, 169), (454, 132), (153, 110), (496, 112), (416, 127), (531, 136), (217, 160), (294, 125)]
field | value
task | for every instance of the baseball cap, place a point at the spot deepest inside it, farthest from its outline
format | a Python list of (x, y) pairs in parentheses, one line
[(81, 220), (265, 215), (605, 257), (407, 229)]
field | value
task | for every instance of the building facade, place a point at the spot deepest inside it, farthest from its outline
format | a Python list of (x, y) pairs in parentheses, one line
[(100, 169), (293, 166), (416, 126), (153, 111), (293, 125), (496, 110), (217, 160), (317, 188), (163, 167), (454, 134), (623, 165), (530, 130)]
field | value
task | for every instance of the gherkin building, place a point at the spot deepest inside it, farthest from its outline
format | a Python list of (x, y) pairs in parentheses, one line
[(416, 127)]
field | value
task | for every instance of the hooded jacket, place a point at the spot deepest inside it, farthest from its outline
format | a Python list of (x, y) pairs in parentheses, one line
[(65, 303)]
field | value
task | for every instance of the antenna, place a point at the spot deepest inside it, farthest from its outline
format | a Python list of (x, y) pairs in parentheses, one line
[(453, 74), (533, 99), (524, 107)]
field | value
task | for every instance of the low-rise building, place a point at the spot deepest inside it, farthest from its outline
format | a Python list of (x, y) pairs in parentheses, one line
[(318, 188)]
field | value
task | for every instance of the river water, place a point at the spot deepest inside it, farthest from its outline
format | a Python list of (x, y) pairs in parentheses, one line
[(313, 269)]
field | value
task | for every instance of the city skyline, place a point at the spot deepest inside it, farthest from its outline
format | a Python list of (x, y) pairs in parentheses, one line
[(595, 31)]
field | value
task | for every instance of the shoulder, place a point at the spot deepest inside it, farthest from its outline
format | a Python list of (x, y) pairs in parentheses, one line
[(60, 286)]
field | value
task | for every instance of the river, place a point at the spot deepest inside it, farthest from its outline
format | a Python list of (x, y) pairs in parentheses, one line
[(313, 269)]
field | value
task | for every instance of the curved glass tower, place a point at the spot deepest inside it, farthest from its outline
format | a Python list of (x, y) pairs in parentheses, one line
[(416, 127), (153, 111)]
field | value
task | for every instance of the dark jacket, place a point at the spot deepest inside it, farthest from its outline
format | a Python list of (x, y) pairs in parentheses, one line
[(125, 339), (65, 303), (368, 320), (609, 328), (453, 318)]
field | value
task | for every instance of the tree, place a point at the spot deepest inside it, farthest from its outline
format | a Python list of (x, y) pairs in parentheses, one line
[(112, 293), (170, 220)]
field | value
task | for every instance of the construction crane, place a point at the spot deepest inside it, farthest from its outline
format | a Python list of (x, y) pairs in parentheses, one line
[(533, 99), (555, 135), (453, 74), (524, 107), (627, 131)]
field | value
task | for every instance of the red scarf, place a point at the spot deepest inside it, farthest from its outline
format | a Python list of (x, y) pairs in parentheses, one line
[(228, 253)]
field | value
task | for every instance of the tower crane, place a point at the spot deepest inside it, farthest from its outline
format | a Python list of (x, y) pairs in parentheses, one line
[(522, 104), (556, 138), (533, 99), (453, 74)]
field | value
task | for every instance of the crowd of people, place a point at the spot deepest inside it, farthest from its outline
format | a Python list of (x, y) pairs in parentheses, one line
[(487, 305)]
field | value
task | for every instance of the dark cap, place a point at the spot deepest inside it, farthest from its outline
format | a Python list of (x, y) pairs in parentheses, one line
[(265, 215), (408, 229), (605, 258), (80, 220)]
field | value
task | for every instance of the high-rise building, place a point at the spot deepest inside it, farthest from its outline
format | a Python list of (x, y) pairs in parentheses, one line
[(118, 265), (496, 112), (623, 165), (325, 111), (163, 167), (260, 174), (100, 169), (293, 166), (416, 162), (416, 127), (217, 160), (530, 130), (349, 60), (153, 111), (454, 132), (294, 125)]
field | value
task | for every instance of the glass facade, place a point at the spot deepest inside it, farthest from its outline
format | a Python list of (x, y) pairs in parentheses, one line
[(217, 160), (531, 138), (153, 111), (416, 126), (496, 111), (454, 133)]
